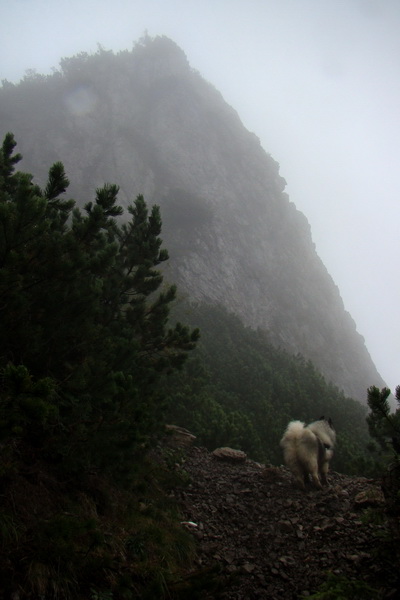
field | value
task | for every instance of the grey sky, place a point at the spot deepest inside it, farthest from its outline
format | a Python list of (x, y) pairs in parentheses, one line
[(317, 81)]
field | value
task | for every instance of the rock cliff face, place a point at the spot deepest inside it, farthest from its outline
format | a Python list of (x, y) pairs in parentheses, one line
[(146, 121)]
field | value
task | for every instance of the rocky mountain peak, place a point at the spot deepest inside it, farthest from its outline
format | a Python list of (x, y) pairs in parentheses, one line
[(148, 122)]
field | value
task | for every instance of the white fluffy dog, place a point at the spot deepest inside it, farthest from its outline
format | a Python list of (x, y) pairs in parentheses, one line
[(307, 450)]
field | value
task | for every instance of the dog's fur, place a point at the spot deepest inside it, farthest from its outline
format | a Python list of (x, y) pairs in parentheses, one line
[(307, 450)]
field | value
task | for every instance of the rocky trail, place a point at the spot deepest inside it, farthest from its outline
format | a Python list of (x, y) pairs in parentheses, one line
[(273, 541)]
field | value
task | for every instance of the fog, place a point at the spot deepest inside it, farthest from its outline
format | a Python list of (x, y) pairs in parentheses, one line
[(317, 81)]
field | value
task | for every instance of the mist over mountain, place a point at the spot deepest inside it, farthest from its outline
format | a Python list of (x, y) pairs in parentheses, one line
[(147, 121)]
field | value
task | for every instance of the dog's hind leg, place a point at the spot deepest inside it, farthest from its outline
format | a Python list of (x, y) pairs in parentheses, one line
[(299, 475), (313, 468), (324, 472)]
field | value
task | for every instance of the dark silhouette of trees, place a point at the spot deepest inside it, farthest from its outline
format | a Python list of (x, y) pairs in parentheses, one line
[(84, 332)]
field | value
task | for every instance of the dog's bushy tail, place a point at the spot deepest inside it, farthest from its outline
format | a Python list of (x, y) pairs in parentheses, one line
[(293, 432)]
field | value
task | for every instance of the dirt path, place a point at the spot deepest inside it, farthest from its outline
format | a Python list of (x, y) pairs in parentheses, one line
[(273, 541)]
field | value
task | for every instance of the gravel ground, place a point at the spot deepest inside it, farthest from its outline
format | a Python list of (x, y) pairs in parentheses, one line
[(273, 541)]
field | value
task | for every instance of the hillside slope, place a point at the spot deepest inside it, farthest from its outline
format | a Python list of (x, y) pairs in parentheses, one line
[(146, 121), (270, 540)]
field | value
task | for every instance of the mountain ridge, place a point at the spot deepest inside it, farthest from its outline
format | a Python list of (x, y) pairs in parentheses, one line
[(150, 123)]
